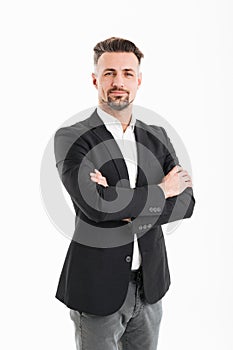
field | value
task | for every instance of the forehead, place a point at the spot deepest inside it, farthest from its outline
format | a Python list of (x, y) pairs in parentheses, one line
[(118, 61)]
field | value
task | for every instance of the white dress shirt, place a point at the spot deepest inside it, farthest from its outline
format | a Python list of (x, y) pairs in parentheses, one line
[(127, 144)]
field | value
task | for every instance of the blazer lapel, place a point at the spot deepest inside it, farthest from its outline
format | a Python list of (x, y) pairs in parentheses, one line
[(142, 159), (96, 125)]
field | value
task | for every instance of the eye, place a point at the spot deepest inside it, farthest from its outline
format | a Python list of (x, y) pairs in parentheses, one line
[(108, 73), (129, 74)]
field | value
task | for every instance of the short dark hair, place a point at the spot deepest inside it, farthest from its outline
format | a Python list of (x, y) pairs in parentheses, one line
[(115, 44)]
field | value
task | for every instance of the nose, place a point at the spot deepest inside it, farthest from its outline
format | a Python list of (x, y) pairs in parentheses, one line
[(118, 82)]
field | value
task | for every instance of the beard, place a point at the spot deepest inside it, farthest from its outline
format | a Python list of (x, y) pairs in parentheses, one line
[(118, 103)]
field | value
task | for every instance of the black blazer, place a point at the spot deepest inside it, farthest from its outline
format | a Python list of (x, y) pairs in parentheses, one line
[(96, 271)]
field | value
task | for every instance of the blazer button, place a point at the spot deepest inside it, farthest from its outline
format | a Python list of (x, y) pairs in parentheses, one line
[(128, 259)]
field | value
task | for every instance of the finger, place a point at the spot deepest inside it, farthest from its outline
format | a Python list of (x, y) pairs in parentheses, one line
[(103, 180), (184, 173), (176, 169), (186, 178), (189, 183), (181, 173), (100, 182), (94, 179), (103, 183), (97, 176)]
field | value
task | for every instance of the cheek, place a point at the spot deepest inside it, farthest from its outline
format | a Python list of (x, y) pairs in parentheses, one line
[(102, 92), (133, 89), (104, 86)]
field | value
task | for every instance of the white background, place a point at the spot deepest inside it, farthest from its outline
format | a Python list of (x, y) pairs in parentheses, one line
[(46, 65)]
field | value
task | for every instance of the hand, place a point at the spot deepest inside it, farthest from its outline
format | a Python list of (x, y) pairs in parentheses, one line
[(127, 219), (97, 177), (101, 180), (175, 182)]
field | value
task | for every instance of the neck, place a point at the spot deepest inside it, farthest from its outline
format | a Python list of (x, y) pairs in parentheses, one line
[(123, 116)]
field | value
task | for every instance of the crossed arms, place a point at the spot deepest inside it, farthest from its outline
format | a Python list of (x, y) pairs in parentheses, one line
[(170, 200)]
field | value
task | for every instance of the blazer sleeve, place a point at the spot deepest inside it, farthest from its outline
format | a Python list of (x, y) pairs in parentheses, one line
[(97, 202), (177, 207)]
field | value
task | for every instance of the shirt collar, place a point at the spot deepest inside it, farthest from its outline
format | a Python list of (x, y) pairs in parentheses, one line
[(110, 120)]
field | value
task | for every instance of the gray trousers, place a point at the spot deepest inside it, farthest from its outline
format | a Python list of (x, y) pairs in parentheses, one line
[(135, 326)]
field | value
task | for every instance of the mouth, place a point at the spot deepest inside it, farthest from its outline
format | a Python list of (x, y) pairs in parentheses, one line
[(118, 92)]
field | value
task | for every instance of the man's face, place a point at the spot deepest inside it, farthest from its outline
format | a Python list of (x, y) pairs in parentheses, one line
[(117, 79)]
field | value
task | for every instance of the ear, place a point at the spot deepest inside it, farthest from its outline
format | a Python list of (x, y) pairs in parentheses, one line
[(139, 79), (94, 80)]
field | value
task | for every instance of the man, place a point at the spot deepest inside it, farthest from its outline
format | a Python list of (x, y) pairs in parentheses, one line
[(125, 181)]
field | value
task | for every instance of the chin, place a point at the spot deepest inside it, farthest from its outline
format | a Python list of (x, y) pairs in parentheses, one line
[(118, 107)]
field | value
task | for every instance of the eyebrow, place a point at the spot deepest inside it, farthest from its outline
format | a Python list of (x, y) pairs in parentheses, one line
[(125, 70)]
